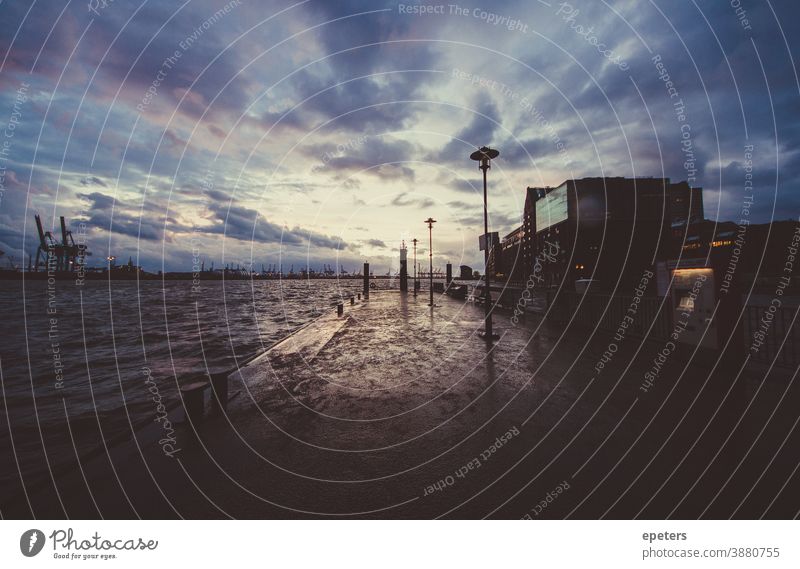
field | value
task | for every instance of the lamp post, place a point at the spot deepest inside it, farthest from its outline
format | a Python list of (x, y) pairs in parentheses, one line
[(484, 156), (430, 221), (414, 241)]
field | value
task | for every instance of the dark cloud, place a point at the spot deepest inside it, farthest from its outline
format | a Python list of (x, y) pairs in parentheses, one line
[(374, 72), (465, 186), (479, 131), (93, 181), (461, 205), (118, 217), (525, 153), (378, 156), (238, 222), (403, 200)]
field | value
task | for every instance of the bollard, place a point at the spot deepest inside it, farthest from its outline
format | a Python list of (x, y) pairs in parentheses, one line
[(359, 296), (193, 396), (219, 388), (366, 280), (352, 300), (340, 309)]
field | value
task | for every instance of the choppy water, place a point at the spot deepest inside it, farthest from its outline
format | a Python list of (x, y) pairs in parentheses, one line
[(72, 361)]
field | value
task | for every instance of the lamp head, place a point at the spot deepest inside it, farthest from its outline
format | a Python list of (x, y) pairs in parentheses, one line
[(484, 155)]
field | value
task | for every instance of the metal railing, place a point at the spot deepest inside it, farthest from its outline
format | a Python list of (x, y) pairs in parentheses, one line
[(775, 331), (607, 312)]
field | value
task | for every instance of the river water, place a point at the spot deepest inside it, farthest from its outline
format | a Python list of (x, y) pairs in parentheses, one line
[(72, 359)]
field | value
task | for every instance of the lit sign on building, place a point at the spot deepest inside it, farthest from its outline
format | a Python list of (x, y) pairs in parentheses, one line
[(552, 208)]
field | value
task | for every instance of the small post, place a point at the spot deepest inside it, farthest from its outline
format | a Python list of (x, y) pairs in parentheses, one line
[(366, 280), (359, 296), (340, 309), (193, 399), (352, 300), (219, 387)]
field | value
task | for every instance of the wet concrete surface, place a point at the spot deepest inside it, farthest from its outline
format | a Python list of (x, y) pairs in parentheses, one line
[(399, 410)]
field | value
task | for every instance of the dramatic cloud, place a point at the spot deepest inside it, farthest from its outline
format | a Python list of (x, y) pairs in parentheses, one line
[(283, 127), (245, 224), (403, 200)]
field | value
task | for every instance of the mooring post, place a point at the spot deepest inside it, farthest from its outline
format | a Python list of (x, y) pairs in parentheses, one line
[(194, 401), (352, 300), (219, 388), (366, 280), (340, 309)]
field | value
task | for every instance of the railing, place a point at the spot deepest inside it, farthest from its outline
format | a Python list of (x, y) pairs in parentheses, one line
[(607, 313), (780, 338), (775, 331)]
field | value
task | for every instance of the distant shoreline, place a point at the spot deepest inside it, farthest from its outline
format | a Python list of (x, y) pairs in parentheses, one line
[(179, 276)]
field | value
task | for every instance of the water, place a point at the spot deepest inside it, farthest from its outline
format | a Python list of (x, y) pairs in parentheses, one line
[(72, 361)]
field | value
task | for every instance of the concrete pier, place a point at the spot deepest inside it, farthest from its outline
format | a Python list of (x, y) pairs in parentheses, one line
[(393, 411)]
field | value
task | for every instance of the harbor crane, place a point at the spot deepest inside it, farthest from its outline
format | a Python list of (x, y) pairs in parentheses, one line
[(65, 255)]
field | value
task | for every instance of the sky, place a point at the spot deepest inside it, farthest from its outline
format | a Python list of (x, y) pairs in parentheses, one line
[(319, 132)]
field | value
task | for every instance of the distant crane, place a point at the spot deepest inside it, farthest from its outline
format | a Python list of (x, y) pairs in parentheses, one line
[(10, 260), (63, 256)]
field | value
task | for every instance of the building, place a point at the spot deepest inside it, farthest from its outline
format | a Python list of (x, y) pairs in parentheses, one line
[(506, 261), (685, 204), (605, 230), (739, 267), (742, 256), (705, 284)]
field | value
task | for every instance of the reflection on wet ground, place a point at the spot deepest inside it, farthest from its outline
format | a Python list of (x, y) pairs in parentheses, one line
[(397, 410)]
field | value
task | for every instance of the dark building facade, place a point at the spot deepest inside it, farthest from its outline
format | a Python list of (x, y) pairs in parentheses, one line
[(594, 243), (506, 261), (744, 272), (606, 230), (746, 258)]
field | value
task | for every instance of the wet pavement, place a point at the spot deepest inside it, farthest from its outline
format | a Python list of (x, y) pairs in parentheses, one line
[(399, 410)]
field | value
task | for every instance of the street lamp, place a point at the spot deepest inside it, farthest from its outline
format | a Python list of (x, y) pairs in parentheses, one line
[(484, 155), (430, 221), (414, 241)]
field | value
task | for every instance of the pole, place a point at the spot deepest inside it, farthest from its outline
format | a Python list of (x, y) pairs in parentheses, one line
[(487, 293), (366, 281), (415, 266), (484, 155), (430, 221), (430, 258)]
